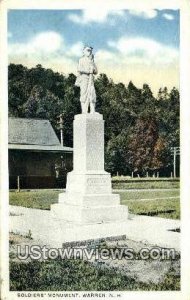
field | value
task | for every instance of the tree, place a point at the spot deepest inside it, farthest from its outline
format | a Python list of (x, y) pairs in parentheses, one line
[(139, 128), (142, 142), (161, 154), (115, 155), (42, 104)]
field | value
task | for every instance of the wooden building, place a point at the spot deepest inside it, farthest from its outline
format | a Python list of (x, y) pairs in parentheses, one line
[(36, 157)]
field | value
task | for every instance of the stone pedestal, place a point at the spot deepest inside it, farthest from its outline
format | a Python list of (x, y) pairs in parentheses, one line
[(88, 209)]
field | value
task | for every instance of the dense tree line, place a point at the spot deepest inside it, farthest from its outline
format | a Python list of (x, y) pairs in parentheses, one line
[(140, 129)]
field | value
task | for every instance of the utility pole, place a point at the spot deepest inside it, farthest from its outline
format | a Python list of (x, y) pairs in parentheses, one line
[(175, 151), (60, 122), (18, 183)]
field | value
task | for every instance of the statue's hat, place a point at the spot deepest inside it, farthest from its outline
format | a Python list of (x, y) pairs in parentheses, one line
[(88, 47)]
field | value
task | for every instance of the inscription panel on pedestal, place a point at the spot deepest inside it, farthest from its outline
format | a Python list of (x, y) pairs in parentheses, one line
[(95, 145), (99, 185)]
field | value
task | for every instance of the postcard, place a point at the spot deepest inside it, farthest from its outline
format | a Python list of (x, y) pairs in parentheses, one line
[(95, 149)]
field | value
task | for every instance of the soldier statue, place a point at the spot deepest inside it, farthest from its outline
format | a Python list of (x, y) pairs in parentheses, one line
[(85, 80)]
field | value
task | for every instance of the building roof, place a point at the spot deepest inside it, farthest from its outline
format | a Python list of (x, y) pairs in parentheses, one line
[(33, 134)]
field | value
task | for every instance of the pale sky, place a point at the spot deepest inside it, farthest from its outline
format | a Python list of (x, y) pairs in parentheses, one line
[(141, 46)]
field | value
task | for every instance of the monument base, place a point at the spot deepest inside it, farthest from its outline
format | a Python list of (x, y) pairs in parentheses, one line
[(88, 209), (88, 200), (81, 216)]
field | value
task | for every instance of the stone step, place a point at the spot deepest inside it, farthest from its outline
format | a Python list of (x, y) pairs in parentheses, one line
[(89, 200), (89, 215)]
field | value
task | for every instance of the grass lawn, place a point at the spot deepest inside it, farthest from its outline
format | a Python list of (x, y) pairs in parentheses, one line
[(78, 275), (146, 184), (165, 207), (148, 194), (34, 199)]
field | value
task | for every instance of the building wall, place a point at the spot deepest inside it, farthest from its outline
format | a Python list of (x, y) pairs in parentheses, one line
[(38, 169)]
